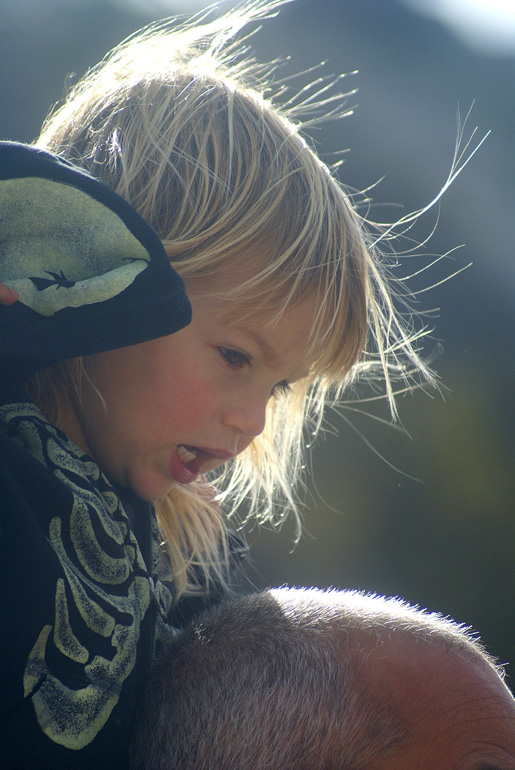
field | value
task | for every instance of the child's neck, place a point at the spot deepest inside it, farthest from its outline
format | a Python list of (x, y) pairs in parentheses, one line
[(67, 420)]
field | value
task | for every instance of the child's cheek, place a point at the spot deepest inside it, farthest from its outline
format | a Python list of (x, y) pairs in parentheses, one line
[(195, 403)]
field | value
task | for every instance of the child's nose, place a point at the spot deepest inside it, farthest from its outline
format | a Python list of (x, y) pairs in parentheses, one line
[(247, 417)]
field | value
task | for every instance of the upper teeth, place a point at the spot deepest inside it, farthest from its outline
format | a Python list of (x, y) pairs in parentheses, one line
[(186, 455)]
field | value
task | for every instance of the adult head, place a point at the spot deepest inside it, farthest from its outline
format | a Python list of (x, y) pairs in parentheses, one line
[(305, 679)]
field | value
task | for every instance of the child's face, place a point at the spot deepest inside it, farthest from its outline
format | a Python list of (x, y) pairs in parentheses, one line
[(181, 405)]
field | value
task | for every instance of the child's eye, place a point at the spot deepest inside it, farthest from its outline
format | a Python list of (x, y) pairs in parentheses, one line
[(281, 387), (235, 358)]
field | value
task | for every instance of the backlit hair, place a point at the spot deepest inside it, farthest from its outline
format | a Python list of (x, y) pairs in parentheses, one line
[(184, 124), (282, 679)]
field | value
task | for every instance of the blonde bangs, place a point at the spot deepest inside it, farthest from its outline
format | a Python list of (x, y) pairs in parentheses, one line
[(186, 126)]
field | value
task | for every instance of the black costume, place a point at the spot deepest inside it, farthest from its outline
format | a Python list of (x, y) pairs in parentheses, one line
[(84, 601)]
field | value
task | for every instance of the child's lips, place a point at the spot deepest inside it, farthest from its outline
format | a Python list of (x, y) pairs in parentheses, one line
[(187, 461)]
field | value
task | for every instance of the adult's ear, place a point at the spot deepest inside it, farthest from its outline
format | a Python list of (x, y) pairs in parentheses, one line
[(8, 296)]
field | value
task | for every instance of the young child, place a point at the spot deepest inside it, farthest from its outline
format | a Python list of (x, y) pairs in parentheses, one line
[(114, 407), (298, 679)]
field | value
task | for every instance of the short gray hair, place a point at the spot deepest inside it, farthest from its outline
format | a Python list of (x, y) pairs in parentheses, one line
[(275, 680)]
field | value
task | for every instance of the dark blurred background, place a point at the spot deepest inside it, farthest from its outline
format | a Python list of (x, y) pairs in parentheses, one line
[(427, 514)]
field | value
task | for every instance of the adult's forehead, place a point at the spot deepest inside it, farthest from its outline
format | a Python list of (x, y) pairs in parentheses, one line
[(444, 672), (459, 713)]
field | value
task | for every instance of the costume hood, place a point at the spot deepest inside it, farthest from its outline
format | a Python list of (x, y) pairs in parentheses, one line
[(91, 274)]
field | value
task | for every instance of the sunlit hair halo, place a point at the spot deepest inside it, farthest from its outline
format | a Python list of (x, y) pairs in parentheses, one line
[(183, 123)]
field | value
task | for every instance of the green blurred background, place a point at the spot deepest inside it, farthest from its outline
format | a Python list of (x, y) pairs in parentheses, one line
[(437, 528)]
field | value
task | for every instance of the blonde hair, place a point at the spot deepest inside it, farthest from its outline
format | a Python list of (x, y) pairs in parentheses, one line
[(181, 122)]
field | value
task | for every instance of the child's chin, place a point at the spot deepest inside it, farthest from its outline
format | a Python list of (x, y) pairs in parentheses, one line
[(151, 488)]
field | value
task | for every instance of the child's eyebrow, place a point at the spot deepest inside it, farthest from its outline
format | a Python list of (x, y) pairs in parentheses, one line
[(267, 350)]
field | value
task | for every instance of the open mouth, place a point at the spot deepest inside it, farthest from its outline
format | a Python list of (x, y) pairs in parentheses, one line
[(189, 461), (186, 463), (187, 453)]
